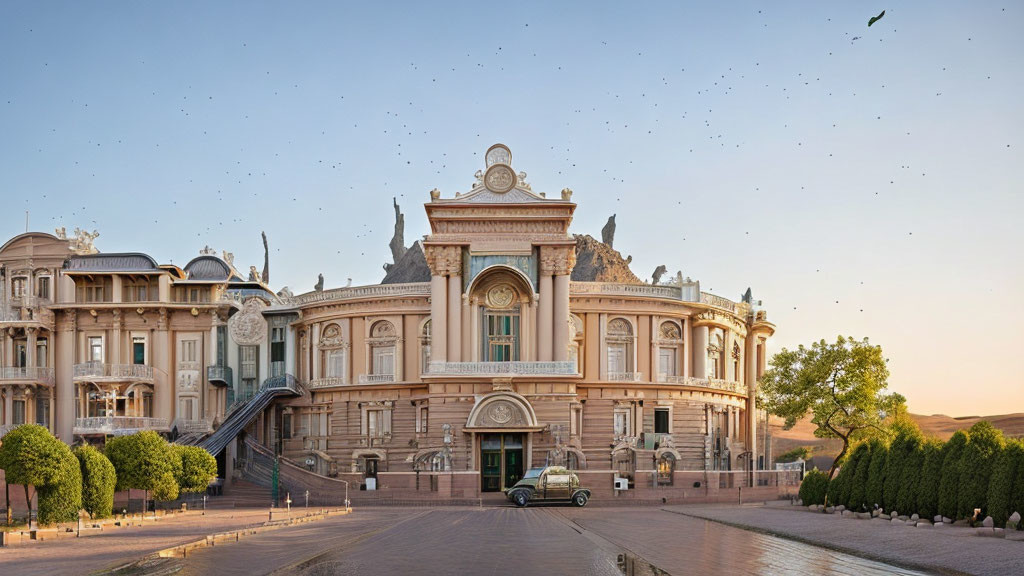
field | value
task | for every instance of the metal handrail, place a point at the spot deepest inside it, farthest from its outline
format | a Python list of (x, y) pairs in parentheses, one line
[(101, 370)]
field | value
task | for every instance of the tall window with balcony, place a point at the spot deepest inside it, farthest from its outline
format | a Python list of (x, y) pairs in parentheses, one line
[(716, 353), (249, 363), (334, 352), (95, 351), (19, 286), (501, 335), (138, 349), (383, 339), (619, 340), (670, 345), (277, 351)]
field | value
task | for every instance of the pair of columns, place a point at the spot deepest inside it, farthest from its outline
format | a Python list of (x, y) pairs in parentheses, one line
[(445, 303), (553, 317)]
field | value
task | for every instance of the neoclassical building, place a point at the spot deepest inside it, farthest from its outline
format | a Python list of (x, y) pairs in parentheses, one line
[(499, 342)]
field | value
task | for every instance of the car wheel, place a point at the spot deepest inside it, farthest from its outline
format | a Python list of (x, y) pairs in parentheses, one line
[(580, 499), (520, 498)]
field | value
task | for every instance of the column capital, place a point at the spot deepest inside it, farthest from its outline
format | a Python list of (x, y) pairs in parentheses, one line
[(444, 260), (557, 260)]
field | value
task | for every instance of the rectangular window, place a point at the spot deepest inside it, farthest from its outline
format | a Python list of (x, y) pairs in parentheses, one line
[(187, 409), (667, 361), (18, 287), (249, 363), (621, 423), (18, 412), (188, 350), (42, 410), (277, 351), (335, 367), (502, 336), (383, 360), (20, 351), (424, 414), (222, 335), (661, 420), (617, 359), (43, 287), (42, 358), (378, 423), (138, 350), (286, 426), (95, 349)]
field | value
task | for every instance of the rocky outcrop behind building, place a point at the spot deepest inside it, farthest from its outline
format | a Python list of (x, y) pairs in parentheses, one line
[(598, 262)]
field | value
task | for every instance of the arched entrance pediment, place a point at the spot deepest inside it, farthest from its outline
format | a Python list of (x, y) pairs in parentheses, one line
[(502, 410)]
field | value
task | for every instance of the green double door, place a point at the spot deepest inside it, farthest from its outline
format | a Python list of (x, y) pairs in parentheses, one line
[(501, 461)]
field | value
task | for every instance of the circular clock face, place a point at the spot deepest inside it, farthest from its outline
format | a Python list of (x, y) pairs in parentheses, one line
[(499, 154), (499, 178)]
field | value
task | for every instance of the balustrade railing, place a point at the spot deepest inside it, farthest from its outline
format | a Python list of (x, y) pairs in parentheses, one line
[(33, 373), (117, 425), (711, 383), (685, 292), (625, 376), (329, 382), (566, 368), (192, 426), (100, 370), (376, 378), (353, 292)]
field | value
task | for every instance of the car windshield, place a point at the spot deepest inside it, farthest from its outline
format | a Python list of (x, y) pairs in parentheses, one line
[(533, 473)]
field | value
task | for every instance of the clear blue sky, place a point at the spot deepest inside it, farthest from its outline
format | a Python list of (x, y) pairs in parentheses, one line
[(747, 144)]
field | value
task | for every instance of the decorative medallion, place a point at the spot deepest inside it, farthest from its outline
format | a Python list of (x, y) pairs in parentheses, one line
[(500, 412), (500, 178), (498, 154), (248, 327), (500, 296)]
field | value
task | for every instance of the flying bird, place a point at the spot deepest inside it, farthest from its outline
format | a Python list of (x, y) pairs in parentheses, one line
[(875, 18)]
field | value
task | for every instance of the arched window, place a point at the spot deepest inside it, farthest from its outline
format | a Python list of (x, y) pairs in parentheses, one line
[(501, 324), (670, 344), (334, 349), (619, 338), (382, 351), (425, 348), (716, 352), (576, 342)]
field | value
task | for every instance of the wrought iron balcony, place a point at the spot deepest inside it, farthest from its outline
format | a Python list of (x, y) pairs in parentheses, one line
[(376, 378), (710, 383), (563, 368), (98, 371), (329, 382), (220, 375), (118, 425), (32, 374)]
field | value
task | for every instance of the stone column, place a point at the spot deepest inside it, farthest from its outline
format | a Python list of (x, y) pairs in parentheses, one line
[(544, 317), (9, 405), (561, 318), (162, 374), (30, 352), (438, 318), (455, 316), (749, 378), (64, 359), (700, 351)]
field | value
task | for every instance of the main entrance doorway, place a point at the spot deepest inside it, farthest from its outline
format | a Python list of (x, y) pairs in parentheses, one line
[(501, 461)]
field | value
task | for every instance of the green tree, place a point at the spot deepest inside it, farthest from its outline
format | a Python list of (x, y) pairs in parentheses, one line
[(840, 487), (32, 457), (1001, 487), (98, 481), (145, 461), (910, 479), (876, 473), (814, 487), (949, 482), (976, 468), (841, 385), (931, 473), (1017, 495), (859, 484), (906, 438), (198, 467), (800, 452)]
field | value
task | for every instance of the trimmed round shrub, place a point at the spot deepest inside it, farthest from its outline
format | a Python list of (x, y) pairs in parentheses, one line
[(976, 468), (98, 481), (876, 474), (198, 467), (858, 487), (1001, 485), (814, 487), (931, 473), (949, 482), (145, 461), (31, 456)]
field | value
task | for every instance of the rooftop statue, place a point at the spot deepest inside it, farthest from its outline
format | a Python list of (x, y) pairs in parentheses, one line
[(81, 243), (658, 273), (254, 274), (608, 232), (319, 287)]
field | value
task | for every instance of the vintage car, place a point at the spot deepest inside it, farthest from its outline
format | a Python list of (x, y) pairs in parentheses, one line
[(551, 484)]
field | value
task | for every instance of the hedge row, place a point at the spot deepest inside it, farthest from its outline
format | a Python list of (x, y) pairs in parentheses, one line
[(975, 469)]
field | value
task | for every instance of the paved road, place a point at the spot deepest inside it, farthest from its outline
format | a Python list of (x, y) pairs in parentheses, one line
[(591, 541)]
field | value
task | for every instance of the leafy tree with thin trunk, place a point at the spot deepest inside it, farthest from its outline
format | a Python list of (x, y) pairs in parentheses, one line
[(198, 467), (33, 457), (98, 481), (876, 473), (842, 386), (145, 461), (949, 483), (858, 487), (976, 468), (931, 473)]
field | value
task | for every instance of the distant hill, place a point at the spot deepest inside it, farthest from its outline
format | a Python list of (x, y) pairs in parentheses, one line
[(937, 425)]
